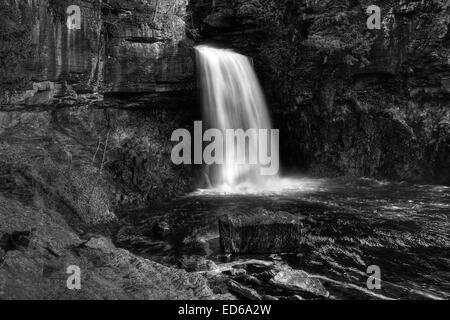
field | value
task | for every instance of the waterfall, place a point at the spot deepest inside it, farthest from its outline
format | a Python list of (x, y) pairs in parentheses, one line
[(233, 99)]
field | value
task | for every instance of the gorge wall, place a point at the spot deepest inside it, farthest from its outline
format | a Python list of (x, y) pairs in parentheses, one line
[(101, 101), (348, 100), (86, 117), (85, 121)]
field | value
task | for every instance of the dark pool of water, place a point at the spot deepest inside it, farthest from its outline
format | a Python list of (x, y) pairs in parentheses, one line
[(402, 228)]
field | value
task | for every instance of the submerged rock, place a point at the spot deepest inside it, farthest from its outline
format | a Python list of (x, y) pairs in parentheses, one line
[(261, 231), (243, 291), (161, 228)]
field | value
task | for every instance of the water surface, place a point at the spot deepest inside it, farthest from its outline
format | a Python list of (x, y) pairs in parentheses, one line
[(353, 223)]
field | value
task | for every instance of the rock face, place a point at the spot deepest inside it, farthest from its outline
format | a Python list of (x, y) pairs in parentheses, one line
[(125, 54), (260, 279), (261, 231), (63, 173), (86, 116), (92, 159), (348, 100), (147, 50), (37, 47), (121, 47)]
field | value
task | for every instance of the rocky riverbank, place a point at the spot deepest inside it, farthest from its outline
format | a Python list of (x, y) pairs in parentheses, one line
[(64, 171)]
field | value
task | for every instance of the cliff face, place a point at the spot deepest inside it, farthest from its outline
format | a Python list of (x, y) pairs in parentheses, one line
[(370, 102), (85, 122), (41, 56), (146, 48), (121, 47), (348, 100), (104, 96), (86, 116)]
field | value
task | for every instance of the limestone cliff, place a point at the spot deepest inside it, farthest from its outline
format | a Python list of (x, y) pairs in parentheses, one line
[(348, 100), (86, 116), (121, 47), (85, 122), (61, 88)]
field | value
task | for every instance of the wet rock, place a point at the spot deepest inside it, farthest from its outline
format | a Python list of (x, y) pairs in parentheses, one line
[(225, 257), (243, 291), (34, 264), (269, 297), (131, 236), (251, 281), (161, 228), (224, 19), (235, 272), (75, 158), (219, 285), (228, 21), (197, 263), (241, 267), (338, 122), (298, 280), (261, 231)]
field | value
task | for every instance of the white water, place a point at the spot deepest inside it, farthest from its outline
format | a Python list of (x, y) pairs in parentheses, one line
[(232, 99)]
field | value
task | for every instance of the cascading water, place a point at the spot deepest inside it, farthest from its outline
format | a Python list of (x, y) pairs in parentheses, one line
[(233, 99)]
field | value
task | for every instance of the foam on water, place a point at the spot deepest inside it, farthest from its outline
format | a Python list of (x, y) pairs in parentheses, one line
[(270, 186)]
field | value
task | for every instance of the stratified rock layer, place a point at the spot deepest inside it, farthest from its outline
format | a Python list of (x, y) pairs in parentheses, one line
[(348, 100), (298, 280), (261, 231), (37, 245), (121, 47)]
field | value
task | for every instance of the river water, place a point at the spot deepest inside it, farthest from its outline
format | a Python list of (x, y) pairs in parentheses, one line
[(352, 224)]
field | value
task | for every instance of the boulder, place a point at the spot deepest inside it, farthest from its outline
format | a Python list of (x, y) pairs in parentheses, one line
[(37, 245), (298, 280), (243, 291), (197, 263), (261, 231)]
